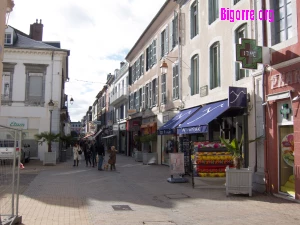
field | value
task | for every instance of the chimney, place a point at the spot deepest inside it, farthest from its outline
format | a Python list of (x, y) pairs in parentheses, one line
[(121, 64), (36, 31)]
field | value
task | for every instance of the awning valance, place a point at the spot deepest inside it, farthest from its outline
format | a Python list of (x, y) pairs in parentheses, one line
[(278, 96), (99, 132), (110, 136), (170, 126), (198, 122)]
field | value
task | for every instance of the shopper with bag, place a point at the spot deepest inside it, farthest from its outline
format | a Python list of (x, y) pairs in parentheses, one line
[(112, 158), (76, 152), (101, 154)]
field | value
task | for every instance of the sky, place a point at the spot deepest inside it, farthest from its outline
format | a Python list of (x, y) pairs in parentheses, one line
[(98, 33)]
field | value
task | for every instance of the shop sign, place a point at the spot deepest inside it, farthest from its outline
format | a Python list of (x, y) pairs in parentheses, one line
[(204, 91), (284, 79), (165, 132), (18, 123), (237, 97), (285, 112), (248, 53), (193, 130), (116, 127), (131, 111), (123, 126), (177, 163)]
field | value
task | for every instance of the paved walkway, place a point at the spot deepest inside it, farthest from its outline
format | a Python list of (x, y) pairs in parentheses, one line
[(64, 195)]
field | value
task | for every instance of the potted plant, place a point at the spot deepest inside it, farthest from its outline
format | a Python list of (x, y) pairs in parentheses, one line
[(234, 147), (49, 156)]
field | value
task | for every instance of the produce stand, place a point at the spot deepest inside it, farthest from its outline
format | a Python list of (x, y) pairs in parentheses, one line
[(209, 159)]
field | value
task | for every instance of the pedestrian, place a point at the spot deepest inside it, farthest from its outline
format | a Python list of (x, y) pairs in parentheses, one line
[(112, 158), (93, 153), (88, 154), (101, 154), (76, 153)]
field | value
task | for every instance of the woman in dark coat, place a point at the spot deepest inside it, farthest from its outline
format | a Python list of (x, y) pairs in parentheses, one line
[(112, 158)]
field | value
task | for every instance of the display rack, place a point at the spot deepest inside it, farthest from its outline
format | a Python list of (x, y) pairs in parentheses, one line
[(185, 148), (209, 159)]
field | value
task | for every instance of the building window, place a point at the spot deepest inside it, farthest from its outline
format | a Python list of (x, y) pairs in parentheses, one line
[(140, 98), (143, 97), (174, 33), (150, 95), (176, 82), (154, 91), (283, 20), (194, 75), (122, 115), (164, 40), (8, 39), (163, 89), (194, 19), (6, 86), (215, 65), (151, 55), (213, 10), (240, 32), (146, 97), (235, 1)]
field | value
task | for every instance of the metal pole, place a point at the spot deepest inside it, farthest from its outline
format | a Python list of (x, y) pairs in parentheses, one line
[(18, 179), (13, 177)]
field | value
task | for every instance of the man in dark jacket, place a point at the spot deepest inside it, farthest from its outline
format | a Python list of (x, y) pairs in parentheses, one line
[(101, 154)]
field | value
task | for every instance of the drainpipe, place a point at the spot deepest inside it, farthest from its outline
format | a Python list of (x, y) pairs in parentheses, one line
[(264, 85), (52, 74)]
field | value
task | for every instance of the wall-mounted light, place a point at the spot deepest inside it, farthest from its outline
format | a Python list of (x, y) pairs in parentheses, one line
[(268, 68), (164, 67), (71, 100)]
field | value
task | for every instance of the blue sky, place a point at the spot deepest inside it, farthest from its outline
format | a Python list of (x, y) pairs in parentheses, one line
[(99, 35)]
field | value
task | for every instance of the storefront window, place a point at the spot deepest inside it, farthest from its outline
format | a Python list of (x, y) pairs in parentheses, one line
[(286, 160)]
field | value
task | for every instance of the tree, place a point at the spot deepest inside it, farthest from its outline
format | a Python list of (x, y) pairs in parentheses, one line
[(68, 139), (47, 137)]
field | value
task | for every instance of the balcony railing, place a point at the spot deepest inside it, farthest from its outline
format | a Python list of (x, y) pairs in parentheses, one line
[(122, 71), (122, 93)]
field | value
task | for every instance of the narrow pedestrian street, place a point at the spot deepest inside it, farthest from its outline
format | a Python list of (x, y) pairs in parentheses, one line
[(67, 195)]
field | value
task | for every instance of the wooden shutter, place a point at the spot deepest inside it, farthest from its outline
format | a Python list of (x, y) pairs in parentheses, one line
[(150, 94), (218, 60), (156, 91), (154, 52), (143, 97), (171, 41), (142, 64), (192, 21), (197, 20), (167, 40), (146, 96), (211, 66), (130, 76), (148, 63), (174, 82)]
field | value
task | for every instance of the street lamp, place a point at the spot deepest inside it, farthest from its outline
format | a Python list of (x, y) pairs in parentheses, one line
[(164, 67), (51, 107), (71, 100)]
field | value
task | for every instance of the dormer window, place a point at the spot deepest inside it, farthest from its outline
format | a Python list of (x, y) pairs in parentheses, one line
[(8, 39)]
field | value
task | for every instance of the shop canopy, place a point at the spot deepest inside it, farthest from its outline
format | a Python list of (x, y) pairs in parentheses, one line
[(170, 126), (198, 123), (99, 132)]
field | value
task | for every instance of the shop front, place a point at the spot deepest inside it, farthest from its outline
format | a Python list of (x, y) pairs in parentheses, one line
[(168, 133), (122, 137), (282, 153), (133, 134), (205, 127)]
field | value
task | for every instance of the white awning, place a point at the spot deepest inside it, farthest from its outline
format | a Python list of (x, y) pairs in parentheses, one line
[(109, 136), (278, 96)]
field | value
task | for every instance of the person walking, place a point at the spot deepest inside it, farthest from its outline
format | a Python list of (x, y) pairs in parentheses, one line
[(76, 151), (112, 158), (88, 154), (101, 154), (93, 153)]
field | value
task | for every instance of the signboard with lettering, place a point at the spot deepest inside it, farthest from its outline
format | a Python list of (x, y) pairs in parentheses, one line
[(131, 111), (237, 97), (177, 163), (17, 123), (248, 53), (203, 91), (284, 79), (115, 127)]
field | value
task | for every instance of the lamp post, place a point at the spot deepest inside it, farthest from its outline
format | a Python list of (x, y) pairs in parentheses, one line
[(51, 107)]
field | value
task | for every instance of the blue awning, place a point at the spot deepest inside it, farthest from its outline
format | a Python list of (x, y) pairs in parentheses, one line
[(198, 123), (170, 126)]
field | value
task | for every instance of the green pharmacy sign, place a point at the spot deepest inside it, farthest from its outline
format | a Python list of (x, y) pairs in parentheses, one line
[(248, 53)]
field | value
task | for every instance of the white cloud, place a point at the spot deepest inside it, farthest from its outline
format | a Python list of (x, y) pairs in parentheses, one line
[(98, 34)]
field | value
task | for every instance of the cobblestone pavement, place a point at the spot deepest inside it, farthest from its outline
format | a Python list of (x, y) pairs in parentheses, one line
[(68, 195)]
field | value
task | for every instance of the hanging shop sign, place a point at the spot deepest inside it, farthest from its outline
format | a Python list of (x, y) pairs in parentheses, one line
[(248, 53), (116, 127), (237, 97), (17, 123), (123, 126)]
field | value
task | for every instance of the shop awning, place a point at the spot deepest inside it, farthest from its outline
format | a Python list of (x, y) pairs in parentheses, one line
[(89, 135), (198, 123), (278, 96), (170, 126), (99, 132), (113, 135)]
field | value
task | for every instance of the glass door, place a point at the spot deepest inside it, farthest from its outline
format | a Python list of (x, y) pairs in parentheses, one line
[(286, 160)]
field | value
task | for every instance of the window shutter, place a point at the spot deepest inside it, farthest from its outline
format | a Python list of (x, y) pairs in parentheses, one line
[(130, 76), (211, 66), (150, 94), (171, 40), (177, 81), (148, 59), (167, 40), (174, 82), (143, 97), (197, 75), (192, 76), (218, 60), (210, 11), (162, 45), (154, 51), (156, 91), (197, 23), (142, 64), (146, 96), (133, 73)]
